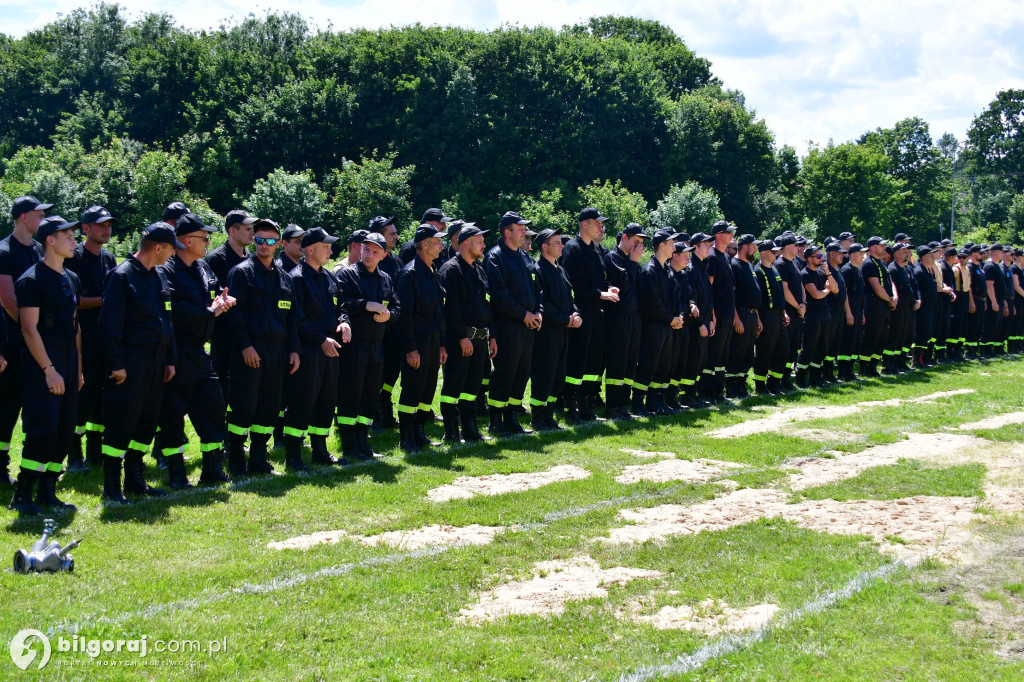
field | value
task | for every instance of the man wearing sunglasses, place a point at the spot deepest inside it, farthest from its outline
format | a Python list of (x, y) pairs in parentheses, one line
[(819, 282), (197, 300), (265, 342)]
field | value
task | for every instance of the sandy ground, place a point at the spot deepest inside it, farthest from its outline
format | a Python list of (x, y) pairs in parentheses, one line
[(995, 422), (473, 534), (780, 420), (554, 583), (465, 487), (646, 454), (821, 470), (695, 471), (710, 617)]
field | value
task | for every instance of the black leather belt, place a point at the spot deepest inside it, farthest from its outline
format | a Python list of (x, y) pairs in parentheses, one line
[(478, 333)]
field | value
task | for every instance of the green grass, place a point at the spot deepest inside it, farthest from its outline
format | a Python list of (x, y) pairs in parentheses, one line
[(197, 566), (906, 478)]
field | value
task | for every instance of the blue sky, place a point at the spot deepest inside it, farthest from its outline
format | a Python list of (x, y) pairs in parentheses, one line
[(814, 70)]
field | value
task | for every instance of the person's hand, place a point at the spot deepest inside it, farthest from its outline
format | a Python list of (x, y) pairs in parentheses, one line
[(413, 359), (694, 310), (223, 303), (54, 381), (802, 309), (330, 347), (531, 320), (704, 330), (443, 355), (345, 329), (575, 321), (3, 364), (293, 362), (610, 295), (785, 319), (466, 346), (760, 326), (972, 308), (119, 375), (677, 322), (168, 373), (737, 327), (81, 381), (917, 304), (251, 357), (382, 316), (1006, 309), (849, 319), (492, 346)]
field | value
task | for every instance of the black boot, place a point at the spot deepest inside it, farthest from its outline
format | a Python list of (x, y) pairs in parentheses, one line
[(550, 421), (93, 449), (321, 455), (511, 422), (76, 462), (385, 413), (135, 476), (450, 414), (585, 408), (5, 463), (258, 462), (46, 495), (213, 468), (537, 418), (572, 413), (419, 432), (236, 455), (672, 399), (637, 408), (158, 455), (761, 387), (292, 455), (470, 427), (350, 451), (497, 425), (176, 476), (363, 442), (407, 436), (22, 500), (112, 481)]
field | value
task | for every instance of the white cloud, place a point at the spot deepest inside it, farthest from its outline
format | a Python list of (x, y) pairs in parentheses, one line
[(813, 70)]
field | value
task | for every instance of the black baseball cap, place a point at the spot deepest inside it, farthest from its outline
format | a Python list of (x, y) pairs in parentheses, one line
[(856, 247), (924, 250), (470, 230), (51, 224), (161, 233), (635, 228), (901, 237), (785, 239), (591, 213), (963, 253), (950, 251), (317, 235), (174, 210), (746, 239), (666, 234), (424, 232), (266, 224), (544, 235), (189, 223), (835, 247), (681, 247), (975, 248), (875, 241), (292, 231), (373, 238), (700, 237), (357, 237), (810, 251), (97, 214), (900, 245), (25, 204), (378, 223), (511, 218), (454, 227), (800, 241), (996, 247), (238, 216), (767, 245), (435, 214), (843, 236), (721, 226)]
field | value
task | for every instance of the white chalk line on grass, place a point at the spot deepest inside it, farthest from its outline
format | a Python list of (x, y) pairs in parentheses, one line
[(730, 644)]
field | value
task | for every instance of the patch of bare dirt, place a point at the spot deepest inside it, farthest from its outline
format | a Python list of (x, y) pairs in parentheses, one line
[(994, 422), (784, 418), (554, 584), (691, 471), (826, 435), (646, 454), (710, 617), (465, 487), (473, 534)]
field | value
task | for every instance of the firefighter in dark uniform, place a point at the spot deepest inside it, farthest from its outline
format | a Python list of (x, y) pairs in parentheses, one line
[(979, 296), (18, 252), (313, 390), (91, 263), (291, 247), (265, 344), (548, 365), (449, 250), (703, 325), (998, 309), (686, 305), (880, 300), (369, 306), (962, 304), (901, 329), (196, 301), (771, 349), (745, 322), (140, 354), (173, 211), (924, 325), (467, 335), (420, 331), (852, 332), (393, 355), (819, 281), (944, 311), (583, 263), (238, 225), (659, 316), (796, 302), (1017, 271), (622, 321), (436, 218), (48, 304), (723, 291), (839, 312)]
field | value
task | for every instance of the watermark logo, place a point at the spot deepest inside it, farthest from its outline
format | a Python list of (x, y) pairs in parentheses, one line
[(23, 652)]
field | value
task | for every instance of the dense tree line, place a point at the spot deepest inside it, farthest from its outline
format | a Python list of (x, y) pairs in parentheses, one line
[(334, 127)]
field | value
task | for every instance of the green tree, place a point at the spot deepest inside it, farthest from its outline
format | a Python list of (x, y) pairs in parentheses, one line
[(288, 198), (690, 208), (359, 191), (616, 202), (996, 138)]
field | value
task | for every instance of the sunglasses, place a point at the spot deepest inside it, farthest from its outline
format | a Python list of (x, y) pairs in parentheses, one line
[(269, 241), (819, 255), (203, 238)]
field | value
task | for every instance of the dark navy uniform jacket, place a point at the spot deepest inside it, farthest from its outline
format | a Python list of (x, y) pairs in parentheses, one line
[(623, 273), (356, 287), (465, 298), (15, 259), (773, 298), (855, 292), (926, 287), (748, 293), (92, 271), (701, 290), (657, 295), (557, 291), (193, 289), (136, 314), (511, 278), (422, 300), (875, 267), (264, 315), (317, 304), (585, 268)]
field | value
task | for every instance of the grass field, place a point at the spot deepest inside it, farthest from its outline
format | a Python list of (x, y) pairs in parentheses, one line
[(936, 593)]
